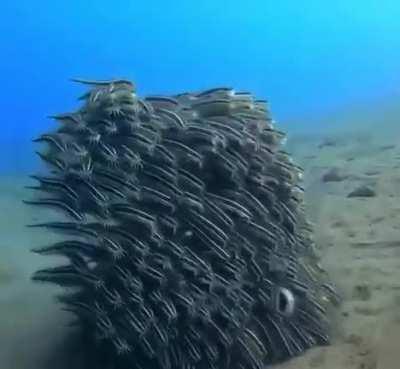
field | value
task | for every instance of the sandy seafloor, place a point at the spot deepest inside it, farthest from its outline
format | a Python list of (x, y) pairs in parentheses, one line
[(358, 238)]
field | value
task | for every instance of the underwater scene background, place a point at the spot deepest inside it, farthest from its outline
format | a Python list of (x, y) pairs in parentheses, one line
[(324, 75)]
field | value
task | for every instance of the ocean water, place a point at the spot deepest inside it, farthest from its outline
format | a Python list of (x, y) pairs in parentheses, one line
[(330, 73)]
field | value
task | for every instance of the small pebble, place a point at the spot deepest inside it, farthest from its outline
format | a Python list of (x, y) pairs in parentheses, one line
[(362, 191), (333, 175), (362, 292)]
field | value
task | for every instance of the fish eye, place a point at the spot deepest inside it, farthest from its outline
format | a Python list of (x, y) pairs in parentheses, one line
[(284, 302)]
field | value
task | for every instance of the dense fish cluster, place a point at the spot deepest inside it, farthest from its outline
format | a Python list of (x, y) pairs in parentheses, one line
[(186, 243)]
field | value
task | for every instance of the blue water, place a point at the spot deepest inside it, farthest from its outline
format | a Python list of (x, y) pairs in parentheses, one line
[(308, 58)]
